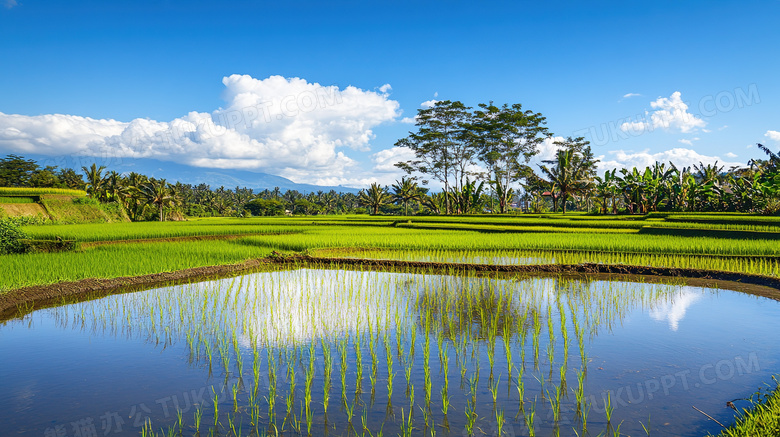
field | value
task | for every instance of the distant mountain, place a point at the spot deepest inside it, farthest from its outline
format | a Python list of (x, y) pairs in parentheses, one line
[(174, 172)]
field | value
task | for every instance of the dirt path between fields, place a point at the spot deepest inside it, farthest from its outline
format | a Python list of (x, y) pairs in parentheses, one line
[(21, 301)]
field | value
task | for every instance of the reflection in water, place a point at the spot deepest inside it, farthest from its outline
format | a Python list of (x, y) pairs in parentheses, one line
[(304, 348), (674, 309)]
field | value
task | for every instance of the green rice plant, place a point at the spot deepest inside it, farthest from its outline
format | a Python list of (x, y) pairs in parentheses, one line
[(580, 392), (350, 411), (520, 389), (500, 422), (216, 406), (555, 402), (471, 417), (445, 401), (529, 420), (494, 389), (198, 416), (179, 420), (235, 397), (358, 365), (406, 424), (608, 408), (584, 417)]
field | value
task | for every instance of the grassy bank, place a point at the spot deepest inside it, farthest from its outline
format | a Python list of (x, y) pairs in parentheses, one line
[(761, 419)]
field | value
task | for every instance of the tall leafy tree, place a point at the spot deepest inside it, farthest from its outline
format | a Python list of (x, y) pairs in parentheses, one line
[(440, 145), (15, 171), (506, 138)]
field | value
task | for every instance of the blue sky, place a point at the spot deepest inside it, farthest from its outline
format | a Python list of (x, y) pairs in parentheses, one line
[(687, 81)]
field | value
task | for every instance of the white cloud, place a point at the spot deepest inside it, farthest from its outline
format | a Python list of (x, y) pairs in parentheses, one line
[(284, 126), (670, 114), (547, 149), (680, 157), (773, 135), (731, 155), (629, 95), (409, 120), (684, 141), (428, 103), (10, 4), (386, 88), (385, 160)]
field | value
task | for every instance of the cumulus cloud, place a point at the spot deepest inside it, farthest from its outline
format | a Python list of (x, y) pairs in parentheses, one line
[(386, 88), (731, 155), (383, 170), (773, 135), (284, 126), (669, 114), (429, 103), (385, 160)]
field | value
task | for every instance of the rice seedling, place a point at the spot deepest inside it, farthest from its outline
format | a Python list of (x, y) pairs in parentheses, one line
[(494, 389), (608, 407), (500, 422), (216, 406), (529, 420), (198, 415), (471, 417), (406, 424)]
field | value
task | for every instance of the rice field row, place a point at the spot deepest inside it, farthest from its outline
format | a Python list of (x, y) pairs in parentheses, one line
[(767, 266), (156, 230), (409, 239), (23, 191), (113, 261)]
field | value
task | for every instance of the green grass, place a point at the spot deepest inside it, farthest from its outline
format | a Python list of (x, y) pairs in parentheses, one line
[(20, 191)]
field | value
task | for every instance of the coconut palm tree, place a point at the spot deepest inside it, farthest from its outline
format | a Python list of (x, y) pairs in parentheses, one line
[(374, 197), (95, 180), (405, 191), (157, 193)]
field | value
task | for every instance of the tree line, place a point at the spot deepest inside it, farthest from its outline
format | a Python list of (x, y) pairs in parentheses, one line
[(464, 150)]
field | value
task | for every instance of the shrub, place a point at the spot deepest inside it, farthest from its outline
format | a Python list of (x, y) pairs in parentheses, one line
[(11, 237)]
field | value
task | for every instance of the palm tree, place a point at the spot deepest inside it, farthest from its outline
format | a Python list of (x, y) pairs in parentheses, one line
[(405, 191), (157, 194), (95, 180), (114, 190), (568, 176), (374, 197)]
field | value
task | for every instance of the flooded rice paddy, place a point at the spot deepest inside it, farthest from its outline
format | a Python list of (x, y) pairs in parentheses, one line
[(343, 352)]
